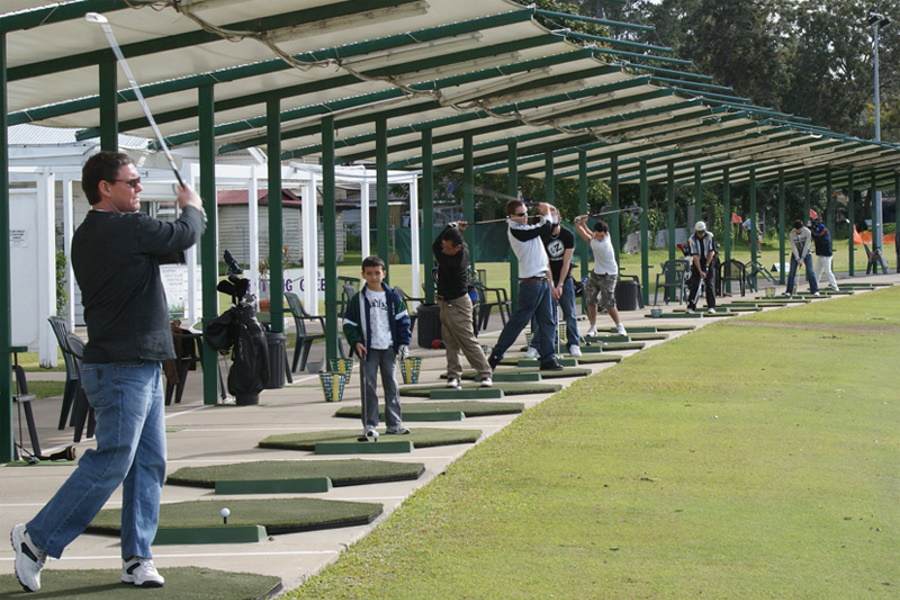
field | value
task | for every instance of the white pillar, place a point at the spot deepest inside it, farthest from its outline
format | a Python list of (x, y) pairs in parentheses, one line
[(68, 232), (310, 247), (253, 234), (414, 239), (46, 274), (364, 217)]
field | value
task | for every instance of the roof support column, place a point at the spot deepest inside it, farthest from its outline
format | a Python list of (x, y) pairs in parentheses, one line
[(382, 212), (829, 203), (807, 198), (698, 196), (615, 221), (670, 209), (782, 227), (512, 190), (583, 249), (427, 213), (645, 227), (851, 220), (753, 212), (109, 108), (549, 196), (209, 263), (469, 194), (276, 237), (875, 195), (897, 219), (329, 225), (726, 214), (6, 412)]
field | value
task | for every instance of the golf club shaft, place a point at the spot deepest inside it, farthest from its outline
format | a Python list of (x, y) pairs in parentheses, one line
[(599, 214), (114, 45)]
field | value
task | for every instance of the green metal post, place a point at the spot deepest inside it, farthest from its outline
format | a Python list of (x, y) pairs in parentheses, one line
[(276, 237), (427, 200), (897, 219), (109, 107), (698, 195), (807, 197), (329, 224), (829, 192), (382, 237), (754, 256), (512, 155), (209, 263), (876, 218), (645, 228), (583, 249), (726, 226), (670, 209), (469, 194), (615, 219), (782, 227), (851, 200), (6, 412), (549, 187)]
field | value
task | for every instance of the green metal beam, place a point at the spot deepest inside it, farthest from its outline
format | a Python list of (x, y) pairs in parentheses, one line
[(381, 191), (6, 403), (58, 13), (209, 260), (276, 220), (427, 197), (329, 226), (594, 20)]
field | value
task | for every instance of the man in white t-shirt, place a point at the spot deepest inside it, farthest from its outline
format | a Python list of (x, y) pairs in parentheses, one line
[(601, 284)]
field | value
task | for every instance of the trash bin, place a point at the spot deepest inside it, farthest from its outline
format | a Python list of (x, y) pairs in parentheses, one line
[(276, 343), (429, 322), (628, 294)]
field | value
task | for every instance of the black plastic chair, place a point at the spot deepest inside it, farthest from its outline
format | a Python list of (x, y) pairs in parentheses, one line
[(60, 328), (734, 270), (305, 338), (487, 299), (674, 277), (409, 308), (82, 413), (755, 270), (23, 399)]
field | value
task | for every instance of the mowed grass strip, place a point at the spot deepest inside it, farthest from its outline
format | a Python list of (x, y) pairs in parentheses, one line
[(734, 462)]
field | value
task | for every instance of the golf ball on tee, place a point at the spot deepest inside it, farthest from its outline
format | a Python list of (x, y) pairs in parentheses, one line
[(225, 512)]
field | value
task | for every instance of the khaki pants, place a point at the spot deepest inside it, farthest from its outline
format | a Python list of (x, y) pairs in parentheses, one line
[(459, 336)]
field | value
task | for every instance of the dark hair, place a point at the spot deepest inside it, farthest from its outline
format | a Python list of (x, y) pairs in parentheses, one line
[(513, 206), (103, 166), (452, 235), (601, 227), (798, 224), (372, 261)]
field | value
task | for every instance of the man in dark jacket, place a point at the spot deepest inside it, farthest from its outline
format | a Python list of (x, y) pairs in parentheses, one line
[(452, 256), (115, 255)]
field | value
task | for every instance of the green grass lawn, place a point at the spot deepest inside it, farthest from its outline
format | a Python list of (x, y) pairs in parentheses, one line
[(738, 461)]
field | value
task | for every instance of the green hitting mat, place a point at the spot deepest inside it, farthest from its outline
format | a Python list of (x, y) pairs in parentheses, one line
[(182, 583), (511, 388), (421, 437), (468, 408), (471, 374), (340, 472), (279, 515)]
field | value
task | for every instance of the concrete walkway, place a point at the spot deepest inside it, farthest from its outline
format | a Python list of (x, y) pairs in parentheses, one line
[(206, 435)]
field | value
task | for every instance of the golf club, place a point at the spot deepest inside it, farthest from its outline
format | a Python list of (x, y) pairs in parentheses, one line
[(93, 17), (363, 360), (599, 214)]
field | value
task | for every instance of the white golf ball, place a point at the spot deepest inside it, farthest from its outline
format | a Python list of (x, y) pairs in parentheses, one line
[(374, 435), (225, 512)]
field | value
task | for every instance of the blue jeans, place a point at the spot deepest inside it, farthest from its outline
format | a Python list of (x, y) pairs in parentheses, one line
[(384, 361), (127, 398), (567, 304), (534, 301), (810, 274)]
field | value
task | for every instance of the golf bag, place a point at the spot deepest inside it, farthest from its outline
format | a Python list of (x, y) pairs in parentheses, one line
[(238, 330)]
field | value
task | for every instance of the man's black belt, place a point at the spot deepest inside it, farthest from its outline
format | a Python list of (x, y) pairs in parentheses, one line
[(532, 279)]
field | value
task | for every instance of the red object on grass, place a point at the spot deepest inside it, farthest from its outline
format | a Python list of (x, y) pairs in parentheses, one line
[(736, 219)]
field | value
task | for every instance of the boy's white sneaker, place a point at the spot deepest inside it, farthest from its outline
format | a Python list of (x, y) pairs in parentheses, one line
[(574, 351), (141, 572), (532, 352)]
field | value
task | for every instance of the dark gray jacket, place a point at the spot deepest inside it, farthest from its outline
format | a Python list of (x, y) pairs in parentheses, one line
[(115, 257)]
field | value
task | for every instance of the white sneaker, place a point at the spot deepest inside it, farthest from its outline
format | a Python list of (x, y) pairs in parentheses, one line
[(486, 382), (29, 558), (141, 572), (620, 329), (592, 331), (816, 294), (452, 382), (532, 352), (689, 311), (575, 351), (711, 311)]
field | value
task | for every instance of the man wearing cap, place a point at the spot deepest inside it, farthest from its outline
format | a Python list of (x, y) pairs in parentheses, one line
[(703, 251), (800, 238), (822, 240)]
